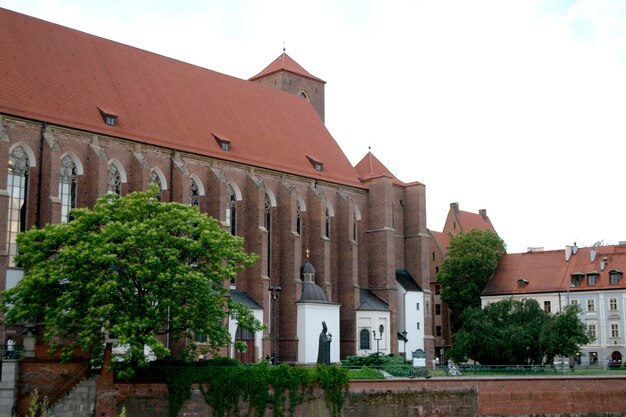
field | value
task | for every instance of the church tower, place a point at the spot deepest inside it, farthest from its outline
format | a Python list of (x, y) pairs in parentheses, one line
[(286, 74)]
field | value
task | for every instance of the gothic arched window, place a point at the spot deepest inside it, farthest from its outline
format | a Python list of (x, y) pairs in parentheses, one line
[(156, 180), (114, 180), (327, 224), (298, 218), (67, 187), (17, 186), (268, 226), (231, 209), (194, 193), (364, 339)]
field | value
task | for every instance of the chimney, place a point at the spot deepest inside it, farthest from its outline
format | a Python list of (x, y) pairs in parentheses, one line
[(603, 263), (454, 207), (483, 213)]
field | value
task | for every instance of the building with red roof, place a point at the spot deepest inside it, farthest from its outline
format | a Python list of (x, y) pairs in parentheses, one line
[(457, 221), (592, 278), (82, 116)]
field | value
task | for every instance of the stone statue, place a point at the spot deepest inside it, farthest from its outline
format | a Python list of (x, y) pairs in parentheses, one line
[(323, 352)]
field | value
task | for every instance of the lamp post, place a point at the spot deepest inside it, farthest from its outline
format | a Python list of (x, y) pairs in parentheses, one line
[(404, 333), (443, 351), (381, 328), (274, 291)]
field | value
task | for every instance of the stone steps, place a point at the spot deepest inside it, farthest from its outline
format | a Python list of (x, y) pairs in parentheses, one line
[(79, 402)]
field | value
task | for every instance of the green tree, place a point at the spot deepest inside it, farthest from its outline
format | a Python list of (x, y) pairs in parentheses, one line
[(471, 260), (563, 334), (132, 266), (517, 332)]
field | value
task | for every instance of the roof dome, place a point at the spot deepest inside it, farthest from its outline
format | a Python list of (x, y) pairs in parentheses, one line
[(312, 292), (307, 268)]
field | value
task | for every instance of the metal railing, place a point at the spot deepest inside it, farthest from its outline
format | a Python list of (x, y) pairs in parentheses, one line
[(11, 351), (67, 382)]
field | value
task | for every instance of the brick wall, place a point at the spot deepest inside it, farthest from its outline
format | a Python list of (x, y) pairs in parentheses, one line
[(443, 397)]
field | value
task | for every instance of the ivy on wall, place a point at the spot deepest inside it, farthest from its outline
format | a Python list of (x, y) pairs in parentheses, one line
[(263, 386)]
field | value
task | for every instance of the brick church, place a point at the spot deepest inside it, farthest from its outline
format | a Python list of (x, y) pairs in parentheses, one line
[(82, 116)]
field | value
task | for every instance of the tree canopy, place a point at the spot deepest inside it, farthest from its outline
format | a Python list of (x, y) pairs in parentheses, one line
[(518, 332), (471, 260), (134, 267)]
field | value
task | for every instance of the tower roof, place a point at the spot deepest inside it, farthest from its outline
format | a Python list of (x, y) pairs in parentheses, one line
[(285, 63), (370, 167)]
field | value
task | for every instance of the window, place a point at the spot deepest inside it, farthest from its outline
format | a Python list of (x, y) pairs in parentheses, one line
[(577, 279), (437, 309), (418, 325), (613, 304), (364, 339), (438, 331), (156, 180), (433, 256), (614, 330), (615, 276), (67, 187), (522, 283), (317, 165), (224, 145), (114, 181), (591, 304), (591, 331), (231, 209), (194, 193), (546, 306), (17, 186), (327, 224), (418, 306), (437, 289), (593, 357), (268, 226), (200, 338), (298, 218), (354, 226), (573, 302), (592, 279)]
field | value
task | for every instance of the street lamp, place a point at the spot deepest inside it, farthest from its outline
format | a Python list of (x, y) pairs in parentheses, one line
[(274, 291), (404, 333), (381, 328)]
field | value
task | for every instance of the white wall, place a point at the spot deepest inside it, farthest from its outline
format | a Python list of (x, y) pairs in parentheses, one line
[(371, 320), (258, 336), (310, 317)]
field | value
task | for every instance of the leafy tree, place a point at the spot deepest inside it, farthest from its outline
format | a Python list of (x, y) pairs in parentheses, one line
[(517, 332), (471, 259), (132, 266), (563, 334)]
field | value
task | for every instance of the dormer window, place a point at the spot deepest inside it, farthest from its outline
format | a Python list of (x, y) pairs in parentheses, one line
[(522, 283), (592, 278), (109, 118), (223, 143), (577, 279), (615, 276), (317, 165)]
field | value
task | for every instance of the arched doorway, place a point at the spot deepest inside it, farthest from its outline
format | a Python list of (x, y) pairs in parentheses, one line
[(247, 338), (616, 357)]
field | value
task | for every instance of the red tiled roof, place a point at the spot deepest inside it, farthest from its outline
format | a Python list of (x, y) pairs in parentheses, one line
[(370, 167), (549, 271), (285, 63), (441, 239), (62, 76), (470, 221)]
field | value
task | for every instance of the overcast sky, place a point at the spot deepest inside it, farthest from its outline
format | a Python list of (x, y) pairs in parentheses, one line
[(517, 107)]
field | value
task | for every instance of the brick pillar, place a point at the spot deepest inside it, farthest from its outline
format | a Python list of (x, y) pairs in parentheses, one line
[(290, 261), (381, 248), (346, 281), (50, 203), (106, 403), (96, 173)]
